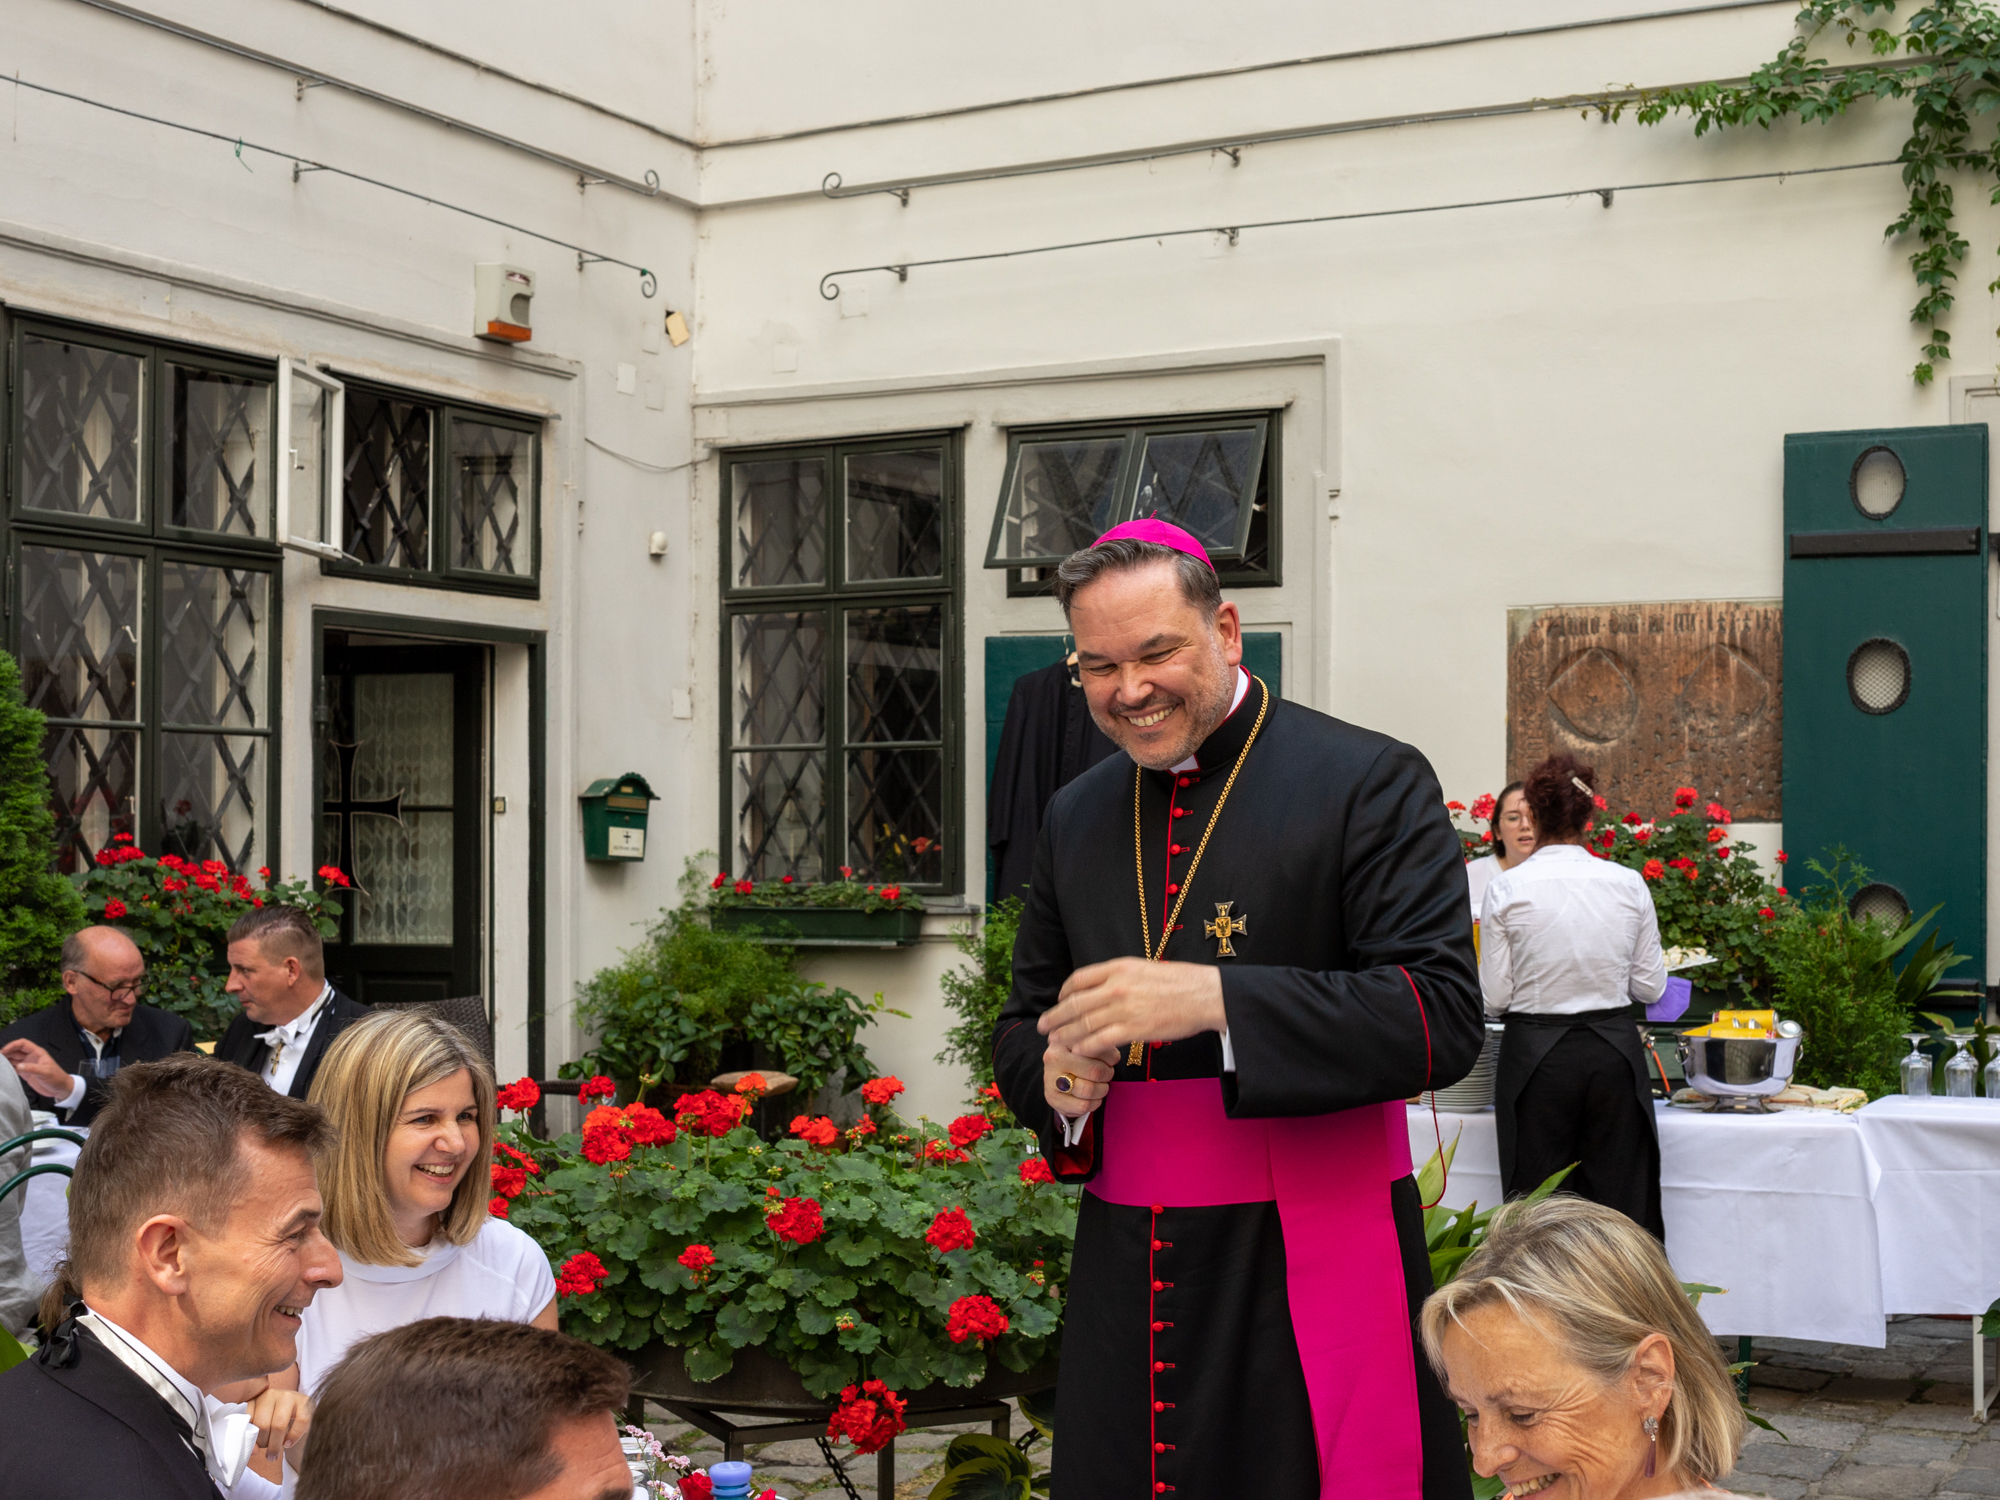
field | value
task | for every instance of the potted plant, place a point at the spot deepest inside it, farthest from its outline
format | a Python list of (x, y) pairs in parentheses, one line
[(887, 1265), (842, 913)]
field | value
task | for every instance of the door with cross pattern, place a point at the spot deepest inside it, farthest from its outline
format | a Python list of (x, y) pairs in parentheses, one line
[(401, 773)]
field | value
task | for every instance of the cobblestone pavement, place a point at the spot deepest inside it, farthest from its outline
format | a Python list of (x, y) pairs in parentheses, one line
[(1870, 1424), (797, 1467)]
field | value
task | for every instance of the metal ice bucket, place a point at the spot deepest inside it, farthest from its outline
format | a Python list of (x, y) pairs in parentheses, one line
[(1739, 1067)]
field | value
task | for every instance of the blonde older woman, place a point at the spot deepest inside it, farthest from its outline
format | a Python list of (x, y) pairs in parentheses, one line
[(1582, 1368), (407, 1189)]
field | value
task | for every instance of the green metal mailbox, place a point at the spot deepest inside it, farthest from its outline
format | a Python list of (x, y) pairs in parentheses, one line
[(614, 817)]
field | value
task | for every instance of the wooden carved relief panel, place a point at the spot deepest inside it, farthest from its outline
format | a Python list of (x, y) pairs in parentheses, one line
[(1655, 696)]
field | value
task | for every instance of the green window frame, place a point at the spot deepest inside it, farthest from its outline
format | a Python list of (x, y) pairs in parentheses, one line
[(430, 492), (1066, 484), (141, 589), (842, 678)]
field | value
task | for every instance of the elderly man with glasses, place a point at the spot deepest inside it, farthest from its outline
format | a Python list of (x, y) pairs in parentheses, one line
[(67, 1054)]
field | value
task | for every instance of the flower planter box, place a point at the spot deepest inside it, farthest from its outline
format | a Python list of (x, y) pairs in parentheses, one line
[(822, 926), (758, 1384)]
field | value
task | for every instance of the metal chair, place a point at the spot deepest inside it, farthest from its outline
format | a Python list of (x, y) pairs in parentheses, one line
[(8, 1147)]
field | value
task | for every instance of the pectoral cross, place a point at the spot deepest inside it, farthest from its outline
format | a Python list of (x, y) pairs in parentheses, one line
[(1224, 926)]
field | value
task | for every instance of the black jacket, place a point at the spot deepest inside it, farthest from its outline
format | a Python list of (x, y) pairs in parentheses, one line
[(1048, 741), (90, 1430), (150, 1035), (239, 1043)]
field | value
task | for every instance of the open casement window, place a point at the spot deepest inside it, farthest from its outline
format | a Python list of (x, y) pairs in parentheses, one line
[(311, 420), (141, 592), (431, 492), (1066, 486), (840, 662)]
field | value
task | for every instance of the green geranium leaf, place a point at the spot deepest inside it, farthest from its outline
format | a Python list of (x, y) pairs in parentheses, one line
[(765, 1298), (862, 1338), (706, 1362), (739, 1325), (854, 1250), (814, 1318)]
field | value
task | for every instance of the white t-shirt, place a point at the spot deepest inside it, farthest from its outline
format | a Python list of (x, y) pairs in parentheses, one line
[(1479, 874), (502, 1274)]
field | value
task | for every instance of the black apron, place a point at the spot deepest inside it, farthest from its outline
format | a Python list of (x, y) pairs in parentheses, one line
[(1530, 1038)]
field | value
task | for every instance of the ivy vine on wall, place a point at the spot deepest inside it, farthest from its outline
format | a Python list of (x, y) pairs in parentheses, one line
[(1945, 62)]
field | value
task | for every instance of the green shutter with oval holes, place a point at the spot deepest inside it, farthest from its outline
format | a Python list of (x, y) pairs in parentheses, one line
[(1885, 669)]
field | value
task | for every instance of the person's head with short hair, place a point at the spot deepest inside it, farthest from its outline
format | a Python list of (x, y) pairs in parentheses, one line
[(1562, 1337), (104, 975), (469, 1409), (277, 963), (194, 1218), (412, 1099), (1557, 799), (1157, 646)]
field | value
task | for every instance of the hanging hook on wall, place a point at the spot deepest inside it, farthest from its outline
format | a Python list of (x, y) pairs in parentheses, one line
[(830, 185)]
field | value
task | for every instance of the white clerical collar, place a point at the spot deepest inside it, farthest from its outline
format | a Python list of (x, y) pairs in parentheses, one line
[(300, 1026), (1242, 687)]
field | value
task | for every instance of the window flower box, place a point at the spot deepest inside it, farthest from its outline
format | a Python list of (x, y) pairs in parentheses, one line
[(821, 926)]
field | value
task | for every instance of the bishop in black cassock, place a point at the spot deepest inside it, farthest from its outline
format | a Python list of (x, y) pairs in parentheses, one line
[(1250, 1328)]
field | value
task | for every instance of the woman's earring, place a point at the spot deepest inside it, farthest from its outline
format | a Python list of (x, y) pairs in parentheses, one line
[(1652, 1426)]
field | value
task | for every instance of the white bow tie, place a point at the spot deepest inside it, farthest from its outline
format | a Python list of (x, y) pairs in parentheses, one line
[(232, 1438)]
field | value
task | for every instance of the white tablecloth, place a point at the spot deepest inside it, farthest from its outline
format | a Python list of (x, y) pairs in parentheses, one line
[(1775, 1208), (1937, 1207)]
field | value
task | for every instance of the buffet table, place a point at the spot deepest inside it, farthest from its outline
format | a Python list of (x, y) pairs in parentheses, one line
[(1776, 1208)]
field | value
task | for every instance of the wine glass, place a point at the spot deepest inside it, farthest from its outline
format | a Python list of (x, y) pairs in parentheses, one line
[(1993, 1075), (1961, 1074), (1916, 1067)]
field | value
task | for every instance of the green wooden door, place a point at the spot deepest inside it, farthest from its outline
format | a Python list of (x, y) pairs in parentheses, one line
[(1885, 669)]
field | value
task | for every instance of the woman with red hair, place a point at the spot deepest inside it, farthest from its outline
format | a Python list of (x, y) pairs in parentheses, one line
[(1569, 943)]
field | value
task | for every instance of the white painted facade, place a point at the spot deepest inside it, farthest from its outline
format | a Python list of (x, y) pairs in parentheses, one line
[(1554, 401)]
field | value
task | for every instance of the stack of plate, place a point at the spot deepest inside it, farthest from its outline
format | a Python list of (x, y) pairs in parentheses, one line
[(1474, 1091)]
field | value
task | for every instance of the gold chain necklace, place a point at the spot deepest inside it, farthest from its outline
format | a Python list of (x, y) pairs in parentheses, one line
[(1187, 880)]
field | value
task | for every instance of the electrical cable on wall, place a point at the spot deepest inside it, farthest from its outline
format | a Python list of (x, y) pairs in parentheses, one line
[(648, 283), (637, 463), (829, 288)]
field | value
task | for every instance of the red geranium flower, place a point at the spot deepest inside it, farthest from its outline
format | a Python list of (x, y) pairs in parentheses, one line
[(869, 1416), (1724, 852), (113, 909), (881, 1090), (866, 1127), (604, 1144), (1653, 869), (1685, 797), (263, 872), (721, 877), (1643, 835), (497, 1207), (991, 1091), (695, 1486), (597, 1087), (520, 1096), (752, 1083), (1632, 819), (968, 1128), (797, 1220), (939, 1151), (509, 1182), (697, 1258), (582, 1274), (950, 1230), (522, 1157), (975, 1318), (745, 887), (1766, 913), (1036, 1169), (709, 1112), (1599, 803), (170, 885), (332, 875), (649, 1127), (1482, 807), (1454, 807), (821, 1132), (208, 882), (1780, 856), (1717, 835), (891, 892)]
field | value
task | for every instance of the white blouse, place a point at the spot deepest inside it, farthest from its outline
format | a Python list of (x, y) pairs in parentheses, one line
[(1479, 875), (1565, 931), (501, 1274)]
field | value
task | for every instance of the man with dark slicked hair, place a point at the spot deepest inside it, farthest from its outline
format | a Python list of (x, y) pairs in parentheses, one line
[(469, 1409)]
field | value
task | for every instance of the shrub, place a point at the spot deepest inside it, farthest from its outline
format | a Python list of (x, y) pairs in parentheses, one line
[(976, 992), (38, 908), (1836, 978), (179, 914), (670, 1006)]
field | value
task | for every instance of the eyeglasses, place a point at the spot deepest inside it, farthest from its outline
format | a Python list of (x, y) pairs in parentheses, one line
[(133, 991)]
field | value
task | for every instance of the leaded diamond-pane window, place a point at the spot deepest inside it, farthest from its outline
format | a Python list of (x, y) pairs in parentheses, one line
[(386, 493), (493, 486), (220, 429), (843, 730), (1213, 476), (82, 415), (138, 541)]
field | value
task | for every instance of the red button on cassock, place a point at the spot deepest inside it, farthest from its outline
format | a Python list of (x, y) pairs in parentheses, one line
[(1159, 1488), (1156, 1244), (1185, 781), (1159, 1208), (1159, 1286), (1173, 890), (1159, 1406), (1159, 1447), (1158, 1327), (1157, 1366), (1176, 849), (1180, 812)]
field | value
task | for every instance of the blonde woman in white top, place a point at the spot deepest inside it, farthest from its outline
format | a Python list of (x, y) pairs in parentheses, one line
[(1568, 942)]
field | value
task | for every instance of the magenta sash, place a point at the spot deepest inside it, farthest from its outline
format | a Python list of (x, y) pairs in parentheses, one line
[(1171, 1144)]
